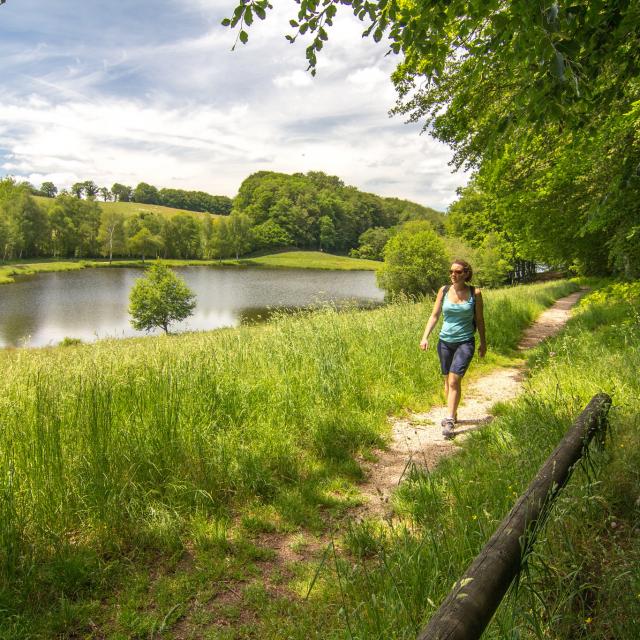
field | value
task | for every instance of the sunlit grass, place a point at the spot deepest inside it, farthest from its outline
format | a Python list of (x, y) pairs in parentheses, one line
[(314, 260), (583, 578), (130, 209), (126, 448)]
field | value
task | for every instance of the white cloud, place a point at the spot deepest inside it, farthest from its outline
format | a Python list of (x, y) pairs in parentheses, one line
[(187, 112), (368, 78), (296, 78)]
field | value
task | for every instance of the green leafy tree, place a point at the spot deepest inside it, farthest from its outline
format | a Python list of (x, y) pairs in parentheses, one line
[(541, 99), (64, 230), (194, 201), (327, 235), (297, 203), (492, 266), (5, 237), (472, 216), (48, 190), (152, 221), (77, 189), (105, 193), (111, 235), (121, 192), (88, 229), (270, 235), (181, 235), (415, 261), (145, 243), (159, 299), (239, 234), (220, 242), (146, 193), (26, 223), (372, 243), (90, 189)]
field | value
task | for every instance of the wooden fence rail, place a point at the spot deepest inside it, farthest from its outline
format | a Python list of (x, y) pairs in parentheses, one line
[(467, 610)]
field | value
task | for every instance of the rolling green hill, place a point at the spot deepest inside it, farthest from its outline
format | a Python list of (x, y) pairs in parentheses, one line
[(132, 208)]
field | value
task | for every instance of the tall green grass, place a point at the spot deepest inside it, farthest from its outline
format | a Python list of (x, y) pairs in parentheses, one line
[(116, 448), (583, 577)]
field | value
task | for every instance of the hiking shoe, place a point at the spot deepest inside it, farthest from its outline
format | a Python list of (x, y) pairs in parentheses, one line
[(447, 428)]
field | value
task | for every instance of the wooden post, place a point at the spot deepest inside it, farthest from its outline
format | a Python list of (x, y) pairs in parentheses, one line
[(470, 605)]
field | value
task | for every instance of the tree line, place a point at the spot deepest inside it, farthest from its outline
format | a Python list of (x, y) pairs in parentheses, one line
[(143, 193), (271, 211)]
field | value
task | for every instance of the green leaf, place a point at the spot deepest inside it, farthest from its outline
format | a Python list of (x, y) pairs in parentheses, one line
[(244, 36)]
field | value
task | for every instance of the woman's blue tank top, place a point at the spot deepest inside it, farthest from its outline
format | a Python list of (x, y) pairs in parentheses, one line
[(458, 323)]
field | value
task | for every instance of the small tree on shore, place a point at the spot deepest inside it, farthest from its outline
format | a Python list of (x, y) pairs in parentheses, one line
[(159, 299), (415, 261)]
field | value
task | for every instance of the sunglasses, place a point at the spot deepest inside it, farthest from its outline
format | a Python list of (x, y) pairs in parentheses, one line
[(456, 271)]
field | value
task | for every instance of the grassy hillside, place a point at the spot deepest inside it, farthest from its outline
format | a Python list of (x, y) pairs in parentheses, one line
[(313, 260), (140, 479), (132, 208)]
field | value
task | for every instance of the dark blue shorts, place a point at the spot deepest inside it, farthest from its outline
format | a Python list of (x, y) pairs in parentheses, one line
[(456, 356)]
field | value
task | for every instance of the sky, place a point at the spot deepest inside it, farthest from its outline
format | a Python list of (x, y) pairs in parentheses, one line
[(152, 92)]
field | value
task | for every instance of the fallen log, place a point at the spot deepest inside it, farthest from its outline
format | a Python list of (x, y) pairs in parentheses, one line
[(467, 610)]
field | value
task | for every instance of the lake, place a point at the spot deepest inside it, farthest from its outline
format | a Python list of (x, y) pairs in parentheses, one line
[(43, 309)]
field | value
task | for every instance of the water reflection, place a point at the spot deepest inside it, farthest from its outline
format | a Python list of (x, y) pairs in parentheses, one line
[(90, 304)]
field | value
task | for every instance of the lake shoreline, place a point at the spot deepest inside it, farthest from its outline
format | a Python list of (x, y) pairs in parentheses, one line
[(293, 260), (92, 304)]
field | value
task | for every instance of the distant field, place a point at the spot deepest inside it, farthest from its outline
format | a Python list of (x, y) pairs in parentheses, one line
[(313, 260), (290, 260), (132, 208)]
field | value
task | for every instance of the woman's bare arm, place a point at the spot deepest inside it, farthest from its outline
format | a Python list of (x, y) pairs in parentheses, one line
[(479, 311), (433, 319)]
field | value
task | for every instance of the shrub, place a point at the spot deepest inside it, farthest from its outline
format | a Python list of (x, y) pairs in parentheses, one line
[(415, 261)]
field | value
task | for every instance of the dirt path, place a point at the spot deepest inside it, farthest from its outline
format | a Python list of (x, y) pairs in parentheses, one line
[(415, 439), (418, 438)]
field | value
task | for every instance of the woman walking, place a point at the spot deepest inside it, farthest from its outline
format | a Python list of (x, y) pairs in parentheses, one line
[(461, 305)]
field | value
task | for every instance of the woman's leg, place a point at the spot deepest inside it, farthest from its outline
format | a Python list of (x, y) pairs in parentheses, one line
[(454, 393), (446, 397), (459, 364)]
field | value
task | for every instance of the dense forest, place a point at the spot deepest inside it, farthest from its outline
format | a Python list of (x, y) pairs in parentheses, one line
[(271, 211)]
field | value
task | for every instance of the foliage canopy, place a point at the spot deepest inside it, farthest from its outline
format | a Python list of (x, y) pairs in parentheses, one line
[(540, 99)]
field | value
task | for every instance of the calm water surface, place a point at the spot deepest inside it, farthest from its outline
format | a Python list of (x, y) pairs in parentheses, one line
[(90, 304)]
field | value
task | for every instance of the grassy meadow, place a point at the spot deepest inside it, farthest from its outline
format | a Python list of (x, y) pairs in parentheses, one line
[(312, 260), (141, 480), (129, 209)]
